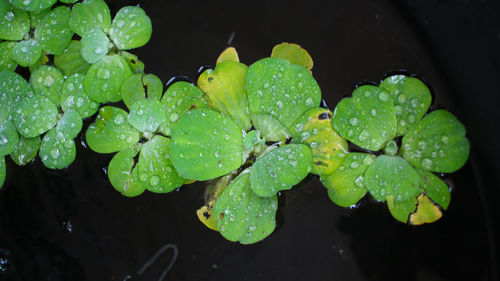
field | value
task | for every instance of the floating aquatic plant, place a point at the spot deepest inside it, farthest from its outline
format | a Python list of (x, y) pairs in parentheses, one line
[(254, 131), (436, 142)]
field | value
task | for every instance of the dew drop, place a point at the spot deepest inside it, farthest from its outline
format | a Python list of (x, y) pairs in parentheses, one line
[(119, 119), (427, 163), (359, 181), (354, 121), (354, 165), (382, 96)]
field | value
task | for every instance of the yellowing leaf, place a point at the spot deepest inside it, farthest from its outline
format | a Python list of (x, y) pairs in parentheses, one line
[(229, 54), (427, 211), (294, 54)]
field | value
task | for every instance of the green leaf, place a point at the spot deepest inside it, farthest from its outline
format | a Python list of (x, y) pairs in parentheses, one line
[(155, 168), (133, 61), (206, 145), (225, 89), (37, 16), (70, 124), (437, 143), (8, 137), (95, 45), (88, 15), (436, 189), (314, 128), (48, 81), (104, 79), (73, 97), (6, 60), (57, 151), (270, 128), (131, 28), (3, 171), (53, 32), (243, 216), (140, 86), (346, 185), (401, 210), (35, 115), (146, 115), (33, 5), (283, 90), (367, 119), (44, 59), (111, 132), (411, 99), (25, 150), (13, 88), (180, 98), (294, 54), (14, 23), (392, 175), (123, 175), (71, 61), (68, 1), (27, 53), (280, 169)]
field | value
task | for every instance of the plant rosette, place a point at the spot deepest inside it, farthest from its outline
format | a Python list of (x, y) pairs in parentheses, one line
[(404, 178)]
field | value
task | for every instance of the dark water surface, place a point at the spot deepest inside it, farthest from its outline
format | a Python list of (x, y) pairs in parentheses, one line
[(72, 225)]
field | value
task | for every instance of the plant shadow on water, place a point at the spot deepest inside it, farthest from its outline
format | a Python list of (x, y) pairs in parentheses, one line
[(72, 224)]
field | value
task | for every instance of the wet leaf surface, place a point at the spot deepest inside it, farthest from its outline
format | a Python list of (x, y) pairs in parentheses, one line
[(131, 28), (8, 137), (280, 169), (225, 91), (70, 124), (283, 90), (392, 175), (25, 150), (411, 99), (6, 60), (346, 185), (88, 15), (71, 61), (14, 23), (436, 189), (270, 128), (122, 172), (35, 115), (180, 98), (140, 86), (206, 145), (104, 79), (53, 32), (243, 216), (27, 53), (73, 97), (57, 151), (94, 45), (314, 128), (13, 88), (33, 5), (48, 81), (367, 119), (437, 143), (156, 171), (146, 115), (111, 132)]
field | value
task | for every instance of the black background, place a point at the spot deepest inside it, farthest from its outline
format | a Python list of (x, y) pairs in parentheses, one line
[(72, 225)]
